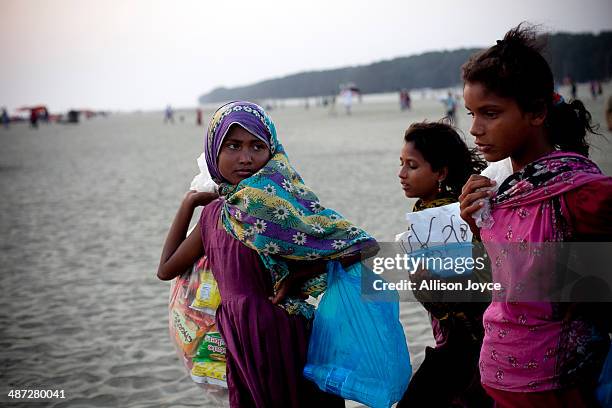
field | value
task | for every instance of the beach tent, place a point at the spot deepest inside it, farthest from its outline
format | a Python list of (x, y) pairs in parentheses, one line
[(39, 109)]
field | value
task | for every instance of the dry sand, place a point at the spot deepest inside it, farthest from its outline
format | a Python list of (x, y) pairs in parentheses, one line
[(84, 212)]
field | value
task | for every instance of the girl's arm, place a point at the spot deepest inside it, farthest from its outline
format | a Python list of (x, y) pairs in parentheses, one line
[(301, 271), (589, 211), (179, 253)]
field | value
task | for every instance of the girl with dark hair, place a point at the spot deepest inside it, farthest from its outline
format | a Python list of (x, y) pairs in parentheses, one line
[(268, 240), (540, 353), (443, 161), (435, 164)]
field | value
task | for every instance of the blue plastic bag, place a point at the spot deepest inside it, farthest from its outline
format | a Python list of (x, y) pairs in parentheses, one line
[(357, 347), (604, 389)]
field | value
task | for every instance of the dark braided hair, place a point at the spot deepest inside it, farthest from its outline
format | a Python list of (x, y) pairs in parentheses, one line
[(515, 68), (441, 146)]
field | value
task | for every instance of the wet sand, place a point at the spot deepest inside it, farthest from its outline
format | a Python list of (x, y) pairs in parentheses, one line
[(84, 212)]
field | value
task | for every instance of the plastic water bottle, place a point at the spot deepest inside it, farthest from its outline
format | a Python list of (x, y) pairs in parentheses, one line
[(482, 216), (497, 171)]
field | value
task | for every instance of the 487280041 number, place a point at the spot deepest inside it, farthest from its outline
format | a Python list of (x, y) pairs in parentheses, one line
[(36, 394)]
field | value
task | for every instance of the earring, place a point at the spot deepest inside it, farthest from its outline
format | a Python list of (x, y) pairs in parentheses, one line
[(439, 186)]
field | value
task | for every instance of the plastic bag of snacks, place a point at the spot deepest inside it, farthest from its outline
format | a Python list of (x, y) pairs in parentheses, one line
[(194, 299)]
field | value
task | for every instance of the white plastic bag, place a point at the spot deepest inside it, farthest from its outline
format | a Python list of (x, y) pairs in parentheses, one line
[(203, 182), (438, 232)]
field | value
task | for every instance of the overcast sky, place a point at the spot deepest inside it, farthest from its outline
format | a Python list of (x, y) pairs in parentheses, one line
[(144, 54)]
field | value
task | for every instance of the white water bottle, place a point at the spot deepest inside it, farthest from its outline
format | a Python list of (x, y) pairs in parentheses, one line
[(497, 171)]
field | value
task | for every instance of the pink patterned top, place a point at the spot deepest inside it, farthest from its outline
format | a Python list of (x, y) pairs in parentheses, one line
[(538, 345)]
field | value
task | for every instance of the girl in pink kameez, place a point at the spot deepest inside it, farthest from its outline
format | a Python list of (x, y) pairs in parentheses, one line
[(535, 352)]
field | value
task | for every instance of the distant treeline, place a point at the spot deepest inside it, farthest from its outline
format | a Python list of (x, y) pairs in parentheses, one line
[(583, 57)]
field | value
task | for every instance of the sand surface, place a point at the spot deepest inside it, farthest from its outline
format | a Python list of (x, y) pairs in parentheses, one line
[(84, 212)]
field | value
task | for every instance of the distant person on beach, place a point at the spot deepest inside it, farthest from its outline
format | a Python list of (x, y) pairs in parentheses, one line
[(450, 105), (405, 101), (599, 88), (332, 104), (573, 88), (535, 353), (594, 89), (347, 99), (169, 114), (435, 163), (268, 240), (199, 117), (34, 118), (6, 120)]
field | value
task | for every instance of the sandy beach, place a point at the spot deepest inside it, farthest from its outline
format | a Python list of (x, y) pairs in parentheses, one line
[(84, 212)]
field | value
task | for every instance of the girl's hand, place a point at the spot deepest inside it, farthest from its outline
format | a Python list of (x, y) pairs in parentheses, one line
[(288, 286), (195, 199), (283, 289), (471, 199)]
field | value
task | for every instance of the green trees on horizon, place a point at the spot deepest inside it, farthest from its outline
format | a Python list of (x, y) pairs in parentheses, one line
[(582, 57)]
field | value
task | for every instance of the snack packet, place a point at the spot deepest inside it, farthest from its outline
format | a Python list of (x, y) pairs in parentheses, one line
[(207, 298), (212, 347), (188, 331), (209, 372), (209, 363)]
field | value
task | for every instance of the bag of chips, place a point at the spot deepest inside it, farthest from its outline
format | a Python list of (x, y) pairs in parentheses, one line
[(194, 299), (207, 298), (209, 361)]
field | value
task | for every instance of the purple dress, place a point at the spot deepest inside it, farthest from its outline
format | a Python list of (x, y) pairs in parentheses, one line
[(266, 347)]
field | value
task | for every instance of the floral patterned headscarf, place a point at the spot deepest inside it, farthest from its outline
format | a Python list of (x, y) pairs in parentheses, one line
[(273, 211)]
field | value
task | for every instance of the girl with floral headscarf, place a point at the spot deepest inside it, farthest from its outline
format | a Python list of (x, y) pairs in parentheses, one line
[(268, 240)]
